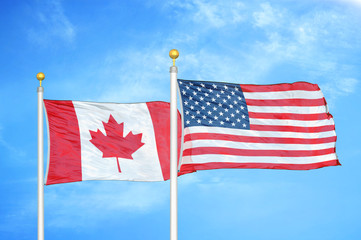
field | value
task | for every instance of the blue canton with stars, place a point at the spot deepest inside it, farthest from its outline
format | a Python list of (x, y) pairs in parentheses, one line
[(213, 104)]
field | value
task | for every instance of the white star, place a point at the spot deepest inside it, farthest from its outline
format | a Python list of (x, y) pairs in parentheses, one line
[(243, 116), (238, 120), (220, 113), (194, 93), (210, 121), (199, 89), (236, 88), (196, 103), (187, 122), (237, 111), (214, 109), (190, 97), (210, 90), (203, 85), (209, 113), (229, 97), (203, 107), (231, 106), (183, 92), (193, 117), (233, 124), (222, 122), (226, 110), (222, 91), (187, 87), (192, 107), (191, 84), (187, 112), (218, 95), (198, 112), (239, 98), (244, 125), (213, 99), (235, 102), (206, 94), (225, 87), (208, 103), (215, 117), (204, 117), (180, 82), (232, 93), (220, 104), (214, 86), (199, 121), (224, 100), (232, 115), (201, 98), (185, 103), (227, 119), (242, 107)]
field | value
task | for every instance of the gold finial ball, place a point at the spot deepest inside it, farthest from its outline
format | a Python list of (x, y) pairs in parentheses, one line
[(40, 76), (173, 53)]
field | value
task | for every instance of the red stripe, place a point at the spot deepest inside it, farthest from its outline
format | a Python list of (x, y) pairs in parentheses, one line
[(65, 148), (292, 128), (305, 86), (287, 102), (218, 165), (290, 116), (160, 114), (249, 139), (256, 152)]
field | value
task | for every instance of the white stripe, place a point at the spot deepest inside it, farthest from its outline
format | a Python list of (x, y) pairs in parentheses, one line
[(294, 123), (253, 133), (256, 146), (276, 109), (209, 158), (297, 94)]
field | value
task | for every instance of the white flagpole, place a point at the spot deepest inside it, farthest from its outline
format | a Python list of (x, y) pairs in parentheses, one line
[(173, 148), (40, 76)]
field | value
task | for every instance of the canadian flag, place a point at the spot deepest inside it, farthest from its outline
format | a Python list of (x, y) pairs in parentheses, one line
[(108, 141)]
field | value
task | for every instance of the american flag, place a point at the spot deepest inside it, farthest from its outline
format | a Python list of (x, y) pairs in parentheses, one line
[(281, 126)]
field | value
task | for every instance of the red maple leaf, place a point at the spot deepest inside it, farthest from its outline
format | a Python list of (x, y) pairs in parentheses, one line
[(113, 144)]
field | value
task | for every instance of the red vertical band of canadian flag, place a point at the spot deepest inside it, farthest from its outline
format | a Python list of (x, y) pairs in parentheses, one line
[(64, 163), (289, 128), (108, 141)]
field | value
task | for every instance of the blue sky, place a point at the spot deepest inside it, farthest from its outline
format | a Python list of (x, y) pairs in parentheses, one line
[(117, 51)]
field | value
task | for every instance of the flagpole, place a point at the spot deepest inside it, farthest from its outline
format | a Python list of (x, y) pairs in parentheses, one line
[(173, 148), (40, 76)]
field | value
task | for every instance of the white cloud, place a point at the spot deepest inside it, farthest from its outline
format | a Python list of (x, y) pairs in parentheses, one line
[(86, 204), (52, 24), (352, 2), (147, 73), (335, 88), (245, 197), (17, 213), (283, 37), (187, 180), (268, 16), (218, 15), (215, 14), (348, 85), (14, 151), (306, 41)]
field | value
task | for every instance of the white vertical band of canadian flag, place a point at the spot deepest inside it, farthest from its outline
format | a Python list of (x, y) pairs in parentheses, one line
[(108, 141), (282, 126)]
